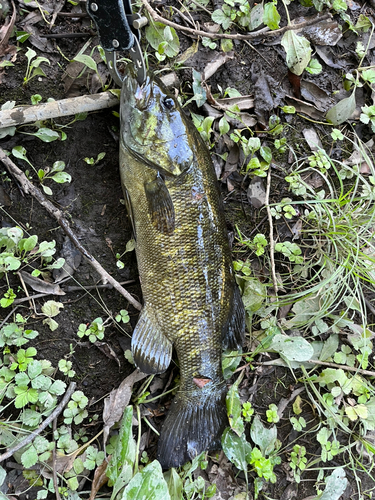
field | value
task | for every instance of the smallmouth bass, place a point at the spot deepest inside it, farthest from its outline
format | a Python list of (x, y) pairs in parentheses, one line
[(191, 300)]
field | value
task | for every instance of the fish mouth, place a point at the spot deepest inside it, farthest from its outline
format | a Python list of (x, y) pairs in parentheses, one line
[(133, 94)]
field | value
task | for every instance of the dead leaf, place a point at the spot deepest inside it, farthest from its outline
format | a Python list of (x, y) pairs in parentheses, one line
[(325, 54), (73, 259), (296, 230), (268, 94), (256, 193), (305, 107), (216, 63), (312, 139), (40, 285), (358, 158), (243, 102), (118, 400), (107, 350), (232, 161), (325, 32), (312, 93), (100, 479), (6, 31)]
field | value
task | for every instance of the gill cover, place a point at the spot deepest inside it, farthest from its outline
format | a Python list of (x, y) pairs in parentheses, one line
[(153, 126)]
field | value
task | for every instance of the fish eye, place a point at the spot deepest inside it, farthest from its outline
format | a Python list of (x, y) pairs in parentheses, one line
[(168, 102)]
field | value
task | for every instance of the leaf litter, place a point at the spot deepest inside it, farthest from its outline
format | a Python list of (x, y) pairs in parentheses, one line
[(264, 94)]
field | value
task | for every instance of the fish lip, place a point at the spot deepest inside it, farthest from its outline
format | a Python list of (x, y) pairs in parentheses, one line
[(132, 92)]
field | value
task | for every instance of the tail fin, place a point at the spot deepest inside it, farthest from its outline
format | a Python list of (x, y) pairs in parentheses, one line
[(194, 424)]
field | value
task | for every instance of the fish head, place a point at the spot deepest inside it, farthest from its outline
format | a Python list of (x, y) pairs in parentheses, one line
[(154, 129)]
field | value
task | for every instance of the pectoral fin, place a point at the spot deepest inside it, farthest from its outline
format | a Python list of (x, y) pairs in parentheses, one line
[(151, 349), (234, 331), (160, 205)]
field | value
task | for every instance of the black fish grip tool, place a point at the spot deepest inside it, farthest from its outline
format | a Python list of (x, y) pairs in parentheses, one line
[(118, 30)]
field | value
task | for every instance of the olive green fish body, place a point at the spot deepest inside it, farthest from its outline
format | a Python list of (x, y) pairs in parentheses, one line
[(191, 300)]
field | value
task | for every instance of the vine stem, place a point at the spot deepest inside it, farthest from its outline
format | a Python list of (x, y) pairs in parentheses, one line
[(264, 32), (272, 243), (56, 412)]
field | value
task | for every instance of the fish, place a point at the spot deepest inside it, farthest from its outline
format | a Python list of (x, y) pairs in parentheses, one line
[(191, 299)]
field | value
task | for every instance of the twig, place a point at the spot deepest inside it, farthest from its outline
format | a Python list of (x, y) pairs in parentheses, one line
[(54, 475), (29, 188), (55, 109), (56, 412), (344, 367), (272, 243), (69, 289), (8, 316), (265, 32), (325, 363)]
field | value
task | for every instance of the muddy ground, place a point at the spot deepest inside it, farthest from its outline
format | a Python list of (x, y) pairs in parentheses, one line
[(92, 203)]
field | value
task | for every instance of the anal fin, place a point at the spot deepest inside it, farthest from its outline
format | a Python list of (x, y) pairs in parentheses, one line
[(151, 349)]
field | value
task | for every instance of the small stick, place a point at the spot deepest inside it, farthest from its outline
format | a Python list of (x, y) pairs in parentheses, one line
[(265, 32), (272, 243), (29, 188), (56, 412), (325, 363), (68, 289), (55, 485), (55, 109)]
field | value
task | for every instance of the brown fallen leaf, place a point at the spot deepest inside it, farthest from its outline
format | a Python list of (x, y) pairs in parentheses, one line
[(6, 31), (40, 285), (118, 400), (100, 479), (358, 157), (256, 193), (216, 63), (312, 139), (325, 32), (243, 102), (107, 350), (304, 107), (314, 94)]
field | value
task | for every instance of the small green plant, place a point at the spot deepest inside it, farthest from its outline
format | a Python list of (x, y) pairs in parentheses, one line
[(272, 415), (75, 410), (33, 63), (163, 39), (258, 244), (298, 461), (284, 208), (94, 331), (298, 423), (55, 173), (93, 161), (65, 366), (321, 160), (16, 251), (247, 411), (290, 250), (123, 316), (368, 116)]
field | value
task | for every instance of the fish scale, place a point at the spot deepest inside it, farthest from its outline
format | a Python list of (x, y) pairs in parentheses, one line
[(191, 300)]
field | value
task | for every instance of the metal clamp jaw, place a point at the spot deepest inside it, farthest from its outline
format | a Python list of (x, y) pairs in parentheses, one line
[(118, 29)]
